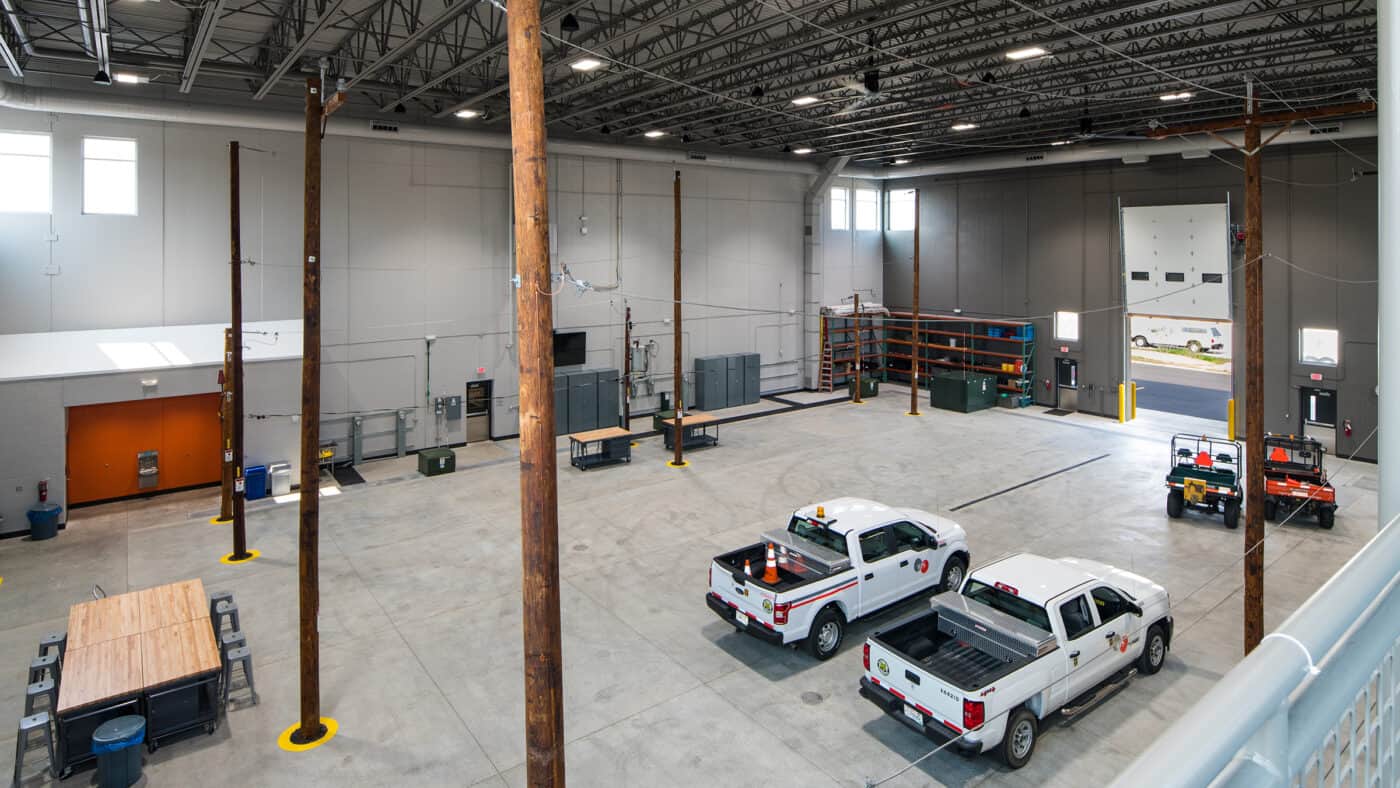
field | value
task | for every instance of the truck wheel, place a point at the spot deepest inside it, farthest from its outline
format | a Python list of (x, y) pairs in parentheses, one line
[(1325, 517), (1193, 346), (828, 630), (1139, 341), (1154, 652), (1018, 744), (953, 572), (1270, 509), (1175, 503), (1232, 513)]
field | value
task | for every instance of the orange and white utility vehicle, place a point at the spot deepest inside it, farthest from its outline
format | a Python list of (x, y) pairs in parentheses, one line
[(1294, 479)]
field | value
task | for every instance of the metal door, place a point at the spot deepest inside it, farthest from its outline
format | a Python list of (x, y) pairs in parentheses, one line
[(478, 411), (1066, 384), (1319, 416)]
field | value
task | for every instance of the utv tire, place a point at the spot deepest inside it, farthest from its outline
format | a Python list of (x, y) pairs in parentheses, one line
[(1018, 743), (954, 572), (1232, 513), (828, 630), (1175, 503), (1325, 517), (1154, 651), (1270, 509)]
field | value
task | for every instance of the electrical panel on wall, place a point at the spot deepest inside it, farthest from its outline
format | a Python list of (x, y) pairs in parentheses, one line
[(1176, 260)]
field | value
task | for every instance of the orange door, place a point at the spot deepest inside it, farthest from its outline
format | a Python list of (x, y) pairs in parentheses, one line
[(103, 441)]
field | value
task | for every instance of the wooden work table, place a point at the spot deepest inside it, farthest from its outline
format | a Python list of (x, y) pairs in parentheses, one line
[(698, 429), (600, 447), (101, 620), (104, 671), (178, 652)]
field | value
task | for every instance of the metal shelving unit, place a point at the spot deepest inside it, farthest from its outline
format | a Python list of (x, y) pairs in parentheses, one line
[(1004, 348)]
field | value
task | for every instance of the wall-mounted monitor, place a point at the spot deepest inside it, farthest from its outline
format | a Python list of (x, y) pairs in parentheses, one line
[(570, 348)]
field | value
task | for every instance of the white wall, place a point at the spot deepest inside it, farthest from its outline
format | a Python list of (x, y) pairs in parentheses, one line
[(415, 241)]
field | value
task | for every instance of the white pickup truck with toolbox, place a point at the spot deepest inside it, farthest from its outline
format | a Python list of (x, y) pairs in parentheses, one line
[(835, 562), (1025, 637)]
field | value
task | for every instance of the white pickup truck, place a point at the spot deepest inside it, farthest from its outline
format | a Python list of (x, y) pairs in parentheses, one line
[(837, 561), (1025, 636)]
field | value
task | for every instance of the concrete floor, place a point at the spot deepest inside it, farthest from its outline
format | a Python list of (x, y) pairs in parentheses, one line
[(421, 650)]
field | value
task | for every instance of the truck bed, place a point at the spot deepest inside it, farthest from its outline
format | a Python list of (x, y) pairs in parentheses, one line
[(957, 662), (798, 573)]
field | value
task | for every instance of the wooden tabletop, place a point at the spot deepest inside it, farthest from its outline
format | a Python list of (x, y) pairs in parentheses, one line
[(175, 603), (600, 435), (101, 620), (103, 671), (694, 419), (178, 652)]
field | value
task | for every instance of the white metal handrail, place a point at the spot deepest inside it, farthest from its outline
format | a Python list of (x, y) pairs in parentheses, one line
[(1315, 704)]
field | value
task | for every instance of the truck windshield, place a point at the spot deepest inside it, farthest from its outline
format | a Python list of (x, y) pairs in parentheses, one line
[(818, 534), (1010, 604)]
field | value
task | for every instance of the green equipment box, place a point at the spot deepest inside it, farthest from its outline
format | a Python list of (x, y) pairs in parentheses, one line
[(869, 387), (962, 392), (435, 462)]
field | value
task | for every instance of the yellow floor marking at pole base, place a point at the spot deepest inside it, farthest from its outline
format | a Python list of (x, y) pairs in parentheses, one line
[(672, 464), (634, 444), (229, 559), (216, 521), (285, 740), (912, 413)]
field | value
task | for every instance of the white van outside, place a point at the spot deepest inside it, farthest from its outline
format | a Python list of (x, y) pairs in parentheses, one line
[(1197, 336)]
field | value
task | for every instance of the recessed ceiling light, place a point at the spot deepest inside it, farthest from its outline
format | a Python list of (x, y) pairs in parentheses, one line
[(654, 133), (1182, 96), (803, 151), (803, 101), (585, 64), (1060, 142), (466, 114), (901, 161), (964, 126), (126, 77), (1026, 53)]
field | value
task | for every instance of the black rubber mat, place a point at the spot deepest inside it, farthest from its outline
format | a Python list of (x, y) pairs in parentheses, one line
[(1058, 412), (346, 475)]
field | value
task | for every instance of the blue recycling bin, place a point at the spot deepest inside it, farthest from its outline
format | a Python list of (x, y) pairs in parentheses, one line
[(255, 482), (43, 520), (117, 745)]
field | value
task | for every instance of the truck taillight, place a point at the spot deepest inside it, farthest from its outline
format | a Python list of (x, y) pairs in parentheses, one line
[(780, 612), (866, 656), (973, 714)]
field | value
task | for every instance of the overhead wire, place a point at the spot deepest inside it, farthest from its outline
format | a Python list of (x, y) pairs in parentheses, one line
[(1319, 131)]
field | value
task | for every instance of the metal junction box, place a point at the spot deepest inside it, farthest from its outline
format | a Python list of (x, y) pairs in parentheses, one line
[(435, 462)]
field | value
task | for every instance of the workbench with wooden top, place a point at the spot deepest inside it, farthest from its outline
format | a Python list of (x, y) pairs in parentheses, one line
[(698, 429), (600, 447), (149, 652)]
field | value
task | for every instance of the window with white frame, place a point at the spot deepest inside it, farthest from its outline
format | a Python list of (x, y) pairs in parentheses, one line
[(109, 176), (25, 172), (867, 209), (1318, 346), (1067, 326), (840, 208), (901, 210)]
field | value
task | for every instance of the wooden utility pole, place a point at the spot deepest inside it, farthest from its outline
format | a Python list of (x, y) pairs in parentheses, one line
[(308, 562), (539, 506), (678, 433), (914, 334), (226, 433), (1253, 149), (855, 321), (240, 530)]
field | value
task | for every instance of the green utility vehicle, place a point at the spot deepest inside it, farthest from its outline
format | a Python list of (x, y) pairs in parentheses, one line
[(1205, 475)]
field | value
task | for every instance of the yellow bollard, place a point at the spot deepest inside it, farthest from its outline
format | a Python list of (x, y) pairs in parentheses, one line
[(1230, 418), (1132, 410), (1122, 412)]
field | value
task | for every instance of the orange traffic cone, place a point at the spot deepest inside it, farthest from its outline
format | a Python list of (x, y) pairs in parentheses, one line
[(770, 569), (748, 571)]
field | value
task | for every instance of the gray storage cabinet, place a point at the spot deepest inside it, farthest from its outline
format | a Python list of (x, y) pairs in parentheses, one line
[(583, 401), (710, 383), (561, 403), (734, 380), (608, 415), (751, 377)]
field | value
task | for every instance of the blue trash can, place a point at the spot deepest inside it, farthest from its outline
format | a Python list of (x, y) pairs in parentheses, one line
[(255, 482), (43, 520), (117, 745)]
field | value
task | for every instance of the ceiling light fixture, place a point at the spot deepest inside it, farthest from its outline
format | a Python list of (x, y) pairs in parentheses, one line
[(901, 161), (1025, 112), (569, 24), (101, 78), (466, 114), (128, 78), (802, 101), (803, 151), (964, 126), (1182, 96), (585, 64), (654, 133), (757, 92), (1026, 53), (1057, 143)]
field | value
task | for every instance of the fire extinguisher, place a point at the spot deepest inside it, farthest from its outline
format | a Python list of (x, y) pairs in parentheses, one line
[(1346, 427), (44, 491)]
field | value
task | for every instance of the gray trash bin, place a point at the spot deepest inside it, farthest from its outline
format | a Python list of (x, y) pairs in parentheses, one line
[(117, 745), (43, 520)]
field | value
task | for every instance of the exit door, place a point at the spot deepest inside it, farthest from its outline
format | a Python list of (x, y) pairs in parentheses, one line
[(478, 411), (1066, 384), (1319, 416)]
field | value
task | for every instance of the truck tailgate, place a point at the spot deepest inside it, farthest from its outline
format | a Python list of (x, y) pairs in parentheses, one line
[(747, 599), (925, 698)]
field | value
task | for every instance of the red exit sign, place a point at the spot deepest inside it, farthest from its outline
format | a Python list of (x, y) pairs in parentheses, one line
[(1064, 348), (1315, 376)]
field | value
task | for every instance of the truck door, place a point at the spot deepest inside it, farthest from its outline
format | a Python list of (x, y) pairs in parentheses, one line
[(916, 552), (1118, 626), (880, 574), (1084, 644)]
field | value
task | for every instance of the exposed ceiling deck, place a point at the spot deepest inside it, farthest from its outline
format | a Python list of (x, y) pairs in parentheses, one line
[(890, 79)]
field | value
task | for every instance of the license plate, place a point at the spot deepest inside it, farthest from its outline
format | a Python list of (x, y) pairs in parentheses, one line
[(741, 618), (914, 714)]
